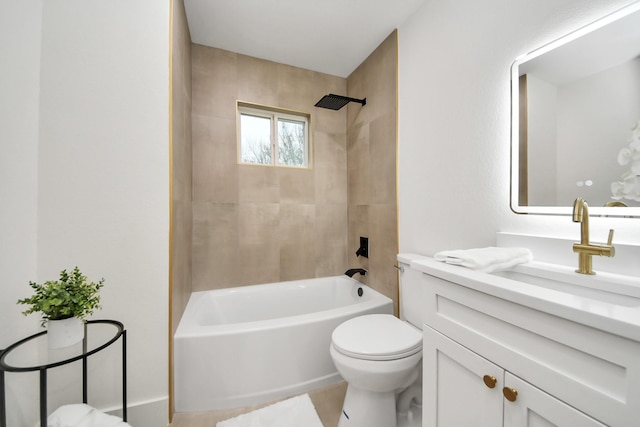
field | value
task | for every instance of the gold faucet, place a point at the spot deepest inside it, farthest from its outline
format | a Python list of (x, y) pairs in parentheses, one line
[(585, 249)]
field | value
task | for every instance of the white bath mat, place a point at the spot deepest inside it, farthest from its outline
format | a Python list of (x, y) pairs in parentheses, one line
[(295, 412)]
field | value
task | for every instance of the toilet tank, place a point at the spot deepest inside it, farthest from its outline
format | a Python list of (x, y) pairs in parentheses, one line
[(412, 294)]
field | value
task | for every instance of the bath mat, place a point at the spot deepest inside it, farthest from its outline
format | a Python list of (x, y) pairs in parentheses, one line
[(295, 412)]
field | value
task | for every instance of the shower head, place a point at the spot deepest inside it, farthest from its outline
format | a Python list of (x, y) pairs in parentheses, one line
[(336, 102)]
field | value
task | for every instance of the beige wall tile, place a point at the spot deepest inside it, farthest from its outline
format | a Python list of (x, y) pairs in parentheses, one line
[(331, 183), (259, 250), (330, 178), (296, 185), (215, 169), (359, 168), (181, 147), (295, 88), (181, 259), (381, 77), (297, 241), (258, 184), (330, 168), (329, 121), (383, 238), (214, 82), (216, 228), (382, 159), (330, 239), (258, 223), (330, 148), (260, 263), (257, 81)]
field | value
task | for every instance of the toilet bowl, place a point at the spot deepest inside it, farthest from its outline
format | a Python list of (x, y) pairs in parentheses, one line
[(378, 355)]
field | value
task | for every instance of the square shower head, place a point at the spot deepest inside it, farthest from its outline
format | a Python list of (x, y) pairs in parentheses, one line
[(336, 102)]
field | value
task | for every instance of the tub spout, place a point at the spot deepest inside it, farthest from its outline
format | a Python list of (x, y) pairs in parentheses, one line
[(353, 271)]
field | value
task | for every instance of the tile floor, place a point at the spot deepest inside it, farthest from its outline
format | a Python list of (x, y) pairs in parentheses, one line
[(327, 400)]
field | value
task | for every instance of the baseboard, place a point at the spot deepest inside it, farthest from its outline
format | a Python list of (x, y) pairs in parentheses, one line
[(150, 413)]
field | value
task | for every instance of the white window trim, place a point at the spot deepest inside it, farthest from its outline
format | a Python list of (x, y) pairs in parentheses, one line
[(274, 115)]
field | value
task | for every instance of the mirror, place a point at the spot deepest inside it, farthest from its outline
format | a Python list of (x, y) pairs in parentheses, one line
[(575, 113)]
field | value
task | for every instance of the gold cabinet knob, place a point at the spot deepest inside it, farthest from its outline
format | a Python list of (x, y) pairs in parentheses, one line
[(489, 381), (511, 394)]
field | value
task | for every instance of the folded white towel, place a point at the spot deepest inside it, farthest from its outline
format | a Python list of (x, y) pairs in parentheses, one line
[(486, 259), (81, 415)]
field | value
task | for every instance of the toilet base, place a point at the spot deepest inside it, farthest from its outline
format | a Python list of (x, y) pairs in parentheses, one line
[(364, 408)]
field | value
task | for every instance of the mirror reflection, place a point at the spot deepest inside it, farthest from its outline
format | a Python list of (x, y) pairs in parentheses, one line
[(576, 120)]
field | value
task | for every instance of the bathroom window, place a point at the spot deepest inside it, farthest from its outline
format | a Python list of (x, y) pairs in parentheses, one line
[(274, 137)]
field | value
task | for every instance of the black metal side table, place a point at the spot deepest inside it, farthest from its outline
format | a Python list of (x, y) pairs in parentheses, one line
[(106, 332)]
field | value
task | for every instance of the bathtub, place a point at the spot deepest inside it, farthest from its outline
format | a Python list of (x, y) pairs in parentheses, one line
[(255, 344)]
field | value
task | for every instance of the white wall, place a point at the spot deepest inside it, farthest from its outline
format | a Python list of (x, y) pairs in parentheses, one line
[(91, 186), (454, 60), (20, 64)]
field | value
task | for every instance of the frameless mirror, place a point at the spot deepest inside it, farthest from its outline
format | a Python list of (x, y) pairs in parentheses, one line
[(575, 117)]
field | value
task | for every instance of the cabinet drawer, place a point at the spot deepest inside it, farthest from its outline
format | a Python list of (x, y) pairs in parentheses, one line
[(591, 370)]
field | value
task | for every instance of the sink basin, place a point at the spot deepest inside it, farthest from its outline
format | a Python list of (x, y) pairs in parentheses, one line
[(608, 287)]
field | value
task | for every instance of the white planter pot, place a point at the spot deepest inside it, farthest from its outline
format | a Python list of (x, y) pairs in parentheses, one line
[(65, 332)]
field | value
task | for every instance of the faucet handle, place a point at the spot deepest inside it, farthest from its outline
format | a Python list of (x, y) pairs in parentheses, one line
[(610, 240)]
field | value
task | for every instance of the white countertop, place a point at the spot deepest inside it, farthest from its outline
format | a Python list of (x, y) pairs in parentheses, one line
[(599, 306)]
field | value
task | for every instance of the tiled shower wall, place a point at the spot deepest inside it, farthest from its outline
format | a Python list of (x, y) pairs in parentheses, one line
[(371, 159), (259, 224), (181, 223)]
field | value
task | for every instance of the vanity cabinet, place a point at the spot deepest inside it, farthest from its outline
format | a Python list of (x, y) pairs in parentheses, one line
[(565, 369), (462, 388)]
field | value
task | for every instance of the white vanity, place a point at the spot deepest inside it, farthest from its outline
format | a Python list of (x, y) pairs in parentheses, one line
[(536, 346)]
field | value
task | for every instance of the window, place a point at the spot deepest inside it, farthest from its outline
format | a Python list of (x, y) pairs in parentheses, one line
[(274, 137)]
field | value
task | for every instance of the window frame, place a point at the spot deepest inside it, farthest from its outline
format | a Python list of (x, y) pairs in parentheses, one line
[(274, 115)]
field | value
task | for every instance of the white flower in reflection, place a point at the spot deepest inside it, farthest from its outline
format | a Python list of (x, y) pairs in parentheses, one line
[(629, 186), (635, 133), (624, 156), (617, 190)]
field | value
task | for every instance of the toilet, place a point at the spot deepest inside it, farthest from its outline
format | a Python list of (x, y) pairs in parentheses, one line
[(379, 356)]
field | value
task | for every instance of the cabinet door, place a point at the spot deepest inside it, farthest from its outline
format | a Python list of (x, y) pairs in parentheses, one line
[(454, 389), (534, 408)]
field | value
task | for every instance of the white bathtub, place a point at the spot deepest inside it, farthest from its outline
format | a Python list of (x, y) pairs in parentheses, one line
[(254, 344)]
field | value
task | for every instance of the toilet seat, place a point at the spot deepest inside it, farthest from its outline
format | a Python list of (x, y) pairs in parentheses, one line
[(377, 337)]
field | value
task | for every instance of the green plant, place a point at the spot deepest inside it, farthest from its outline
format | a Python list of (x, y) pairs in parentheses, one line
[(71, 296)]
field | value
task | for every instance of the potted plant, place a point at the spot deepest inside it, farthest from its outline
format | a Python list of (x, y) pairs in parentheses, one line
[(64, 304)]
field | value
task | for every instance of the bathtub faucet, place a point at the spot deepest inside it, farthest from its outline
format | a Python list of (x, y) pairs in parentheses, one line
[(353, 271)]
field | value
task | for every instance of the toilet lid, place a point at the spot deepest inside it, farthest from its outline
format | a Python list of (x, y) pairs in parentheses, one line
[(377, 337)]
